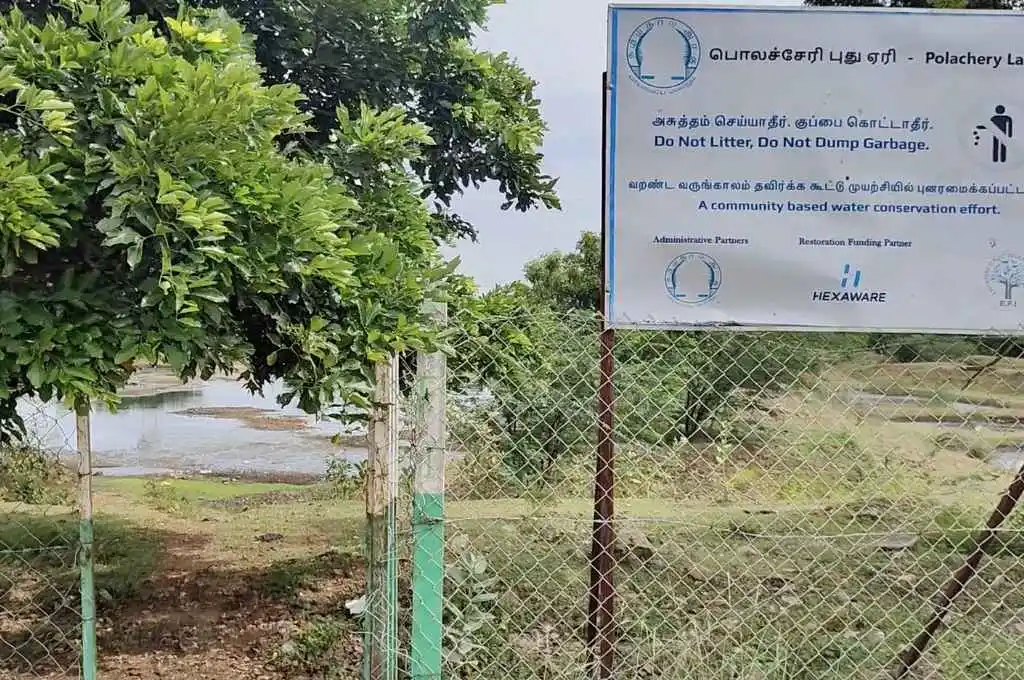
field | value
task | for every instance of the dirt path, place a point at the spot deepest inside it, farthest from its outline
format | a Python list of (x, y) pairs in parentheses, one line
[(210, 619), (219, 621)]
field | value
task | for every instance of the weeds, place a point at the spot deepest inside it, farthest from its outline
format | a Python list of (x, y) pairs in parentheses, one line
[(33, 476), (345, 479), (481, 475), (286, 579), (163, 495), (471, 623), (313, 647)]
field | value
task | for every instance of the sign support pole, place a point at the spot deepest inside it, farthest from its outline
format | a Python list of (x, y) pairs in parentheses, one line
[(601, 606)]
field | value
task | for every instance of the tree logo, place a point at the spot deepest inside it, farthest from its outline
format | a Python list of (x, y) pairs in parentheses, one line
[(693, 278), (662, 55), (1004, 274)]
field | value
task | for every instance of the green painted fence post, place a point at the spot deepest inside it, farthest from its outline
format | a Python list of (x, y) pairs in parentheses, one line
[(85, 540), (428, 511)]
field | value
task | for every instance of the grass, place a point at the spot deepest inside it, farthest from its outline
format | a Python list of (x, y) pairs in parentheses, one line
[(1001, 385), (790, 593), (808, 549), (194, 489)]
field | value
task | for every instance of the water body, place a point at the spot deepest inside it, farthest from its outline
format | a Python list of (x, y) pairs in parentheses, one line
[(218, 427), (214, 427), (871, 401), (1008, 458)]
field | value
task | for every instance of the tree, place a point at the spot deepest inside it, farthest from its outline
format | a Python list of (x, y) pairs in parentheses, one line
[(149, 213), (569, 281), (479, 107), (540, 342), (687, 377)]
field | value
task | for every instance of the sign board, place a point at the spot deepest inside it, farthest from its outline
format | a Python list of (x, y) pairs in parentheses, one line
[(810, 168)]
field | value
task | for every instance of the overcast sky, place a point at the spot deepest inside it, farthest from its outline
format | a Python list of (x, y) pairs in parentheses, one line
[(561, 43)]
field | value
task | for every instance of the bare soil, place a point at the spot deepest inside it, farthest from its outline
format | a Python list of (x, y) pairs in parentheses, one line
[(213, 623), (203, 611), (255, 418)]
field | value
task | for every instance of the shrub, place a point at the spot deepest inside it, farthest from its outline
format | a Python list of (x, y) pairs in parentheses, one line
[(32, 475), (345, 479), (914, 348), (313, 648), (164, 496), (473, 628), (670, 388)]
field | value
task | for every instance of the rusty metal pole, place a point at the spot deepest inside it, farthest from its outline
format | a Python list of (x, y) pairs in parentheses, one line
[(958, 581), (601, 609)]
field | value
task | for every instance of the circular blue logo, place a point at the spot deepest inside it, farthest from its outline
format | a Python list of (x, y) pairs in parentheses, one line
[(663, 54), (693, 278)]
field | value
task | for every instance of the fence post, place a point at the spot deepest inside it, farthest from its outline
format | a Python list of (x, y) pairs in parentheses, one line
[(600, 632), (428, 509), (380, 649), (85, 539)]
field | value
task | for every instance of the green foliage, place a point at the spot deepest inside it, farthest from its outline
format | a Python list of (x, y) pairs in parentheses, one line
[(490, 334), (684, 382), (150, 214), (163, 495), (345, 479), (471, 624), (924, 348), (911, 348), (569, 281), (514, 353), (312, 648), (480, 107), (481, 474), (534, 350), (31, 475)]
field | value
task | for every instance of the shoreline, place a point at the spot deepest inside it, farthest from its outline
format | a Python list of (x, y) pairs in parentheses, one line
[(225, 476)]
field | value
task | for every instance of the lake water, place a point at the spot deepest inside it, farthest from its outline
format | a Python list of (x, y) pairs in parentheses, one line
[(218, 427), (209, 427), (1008, 458)]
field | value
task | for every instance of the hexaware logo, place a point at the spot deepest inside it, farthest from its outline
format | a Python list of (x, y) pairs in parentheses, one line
[(663, 55), (849, 291)]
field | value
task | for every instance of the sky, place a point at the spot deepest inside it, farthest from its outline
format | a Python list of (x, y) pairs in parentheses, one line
[(561, 44)]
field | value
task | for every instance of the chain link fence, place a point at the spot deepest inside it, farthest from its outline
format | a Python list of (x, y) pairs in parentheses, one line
[(39, 539), (787, 505)]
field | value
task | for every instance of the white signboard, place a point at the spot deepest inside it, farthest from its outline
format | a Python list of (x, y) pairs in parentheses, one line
[(803, 168)]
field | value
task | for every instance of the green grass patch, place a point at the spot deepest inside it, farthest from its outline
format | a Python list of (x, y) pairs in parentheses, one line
[(194, 489), (790, 594)]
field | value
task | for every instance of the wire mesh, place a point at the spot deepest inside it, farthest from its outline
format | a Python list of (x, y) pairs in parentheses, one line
[(787, 505), (39, 579)]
